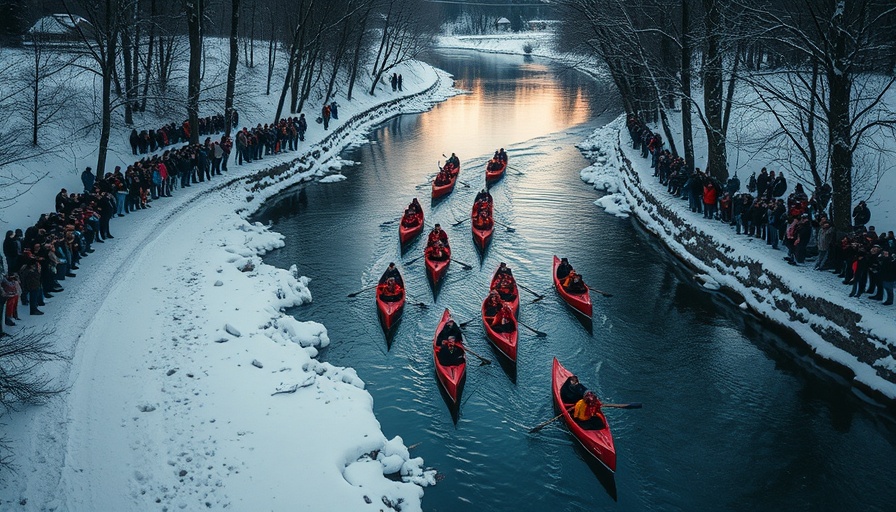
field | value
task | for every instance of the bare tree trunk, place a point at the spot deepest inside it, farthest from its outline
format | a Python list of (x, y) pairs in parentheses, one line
[(147, 68), (252, 37), (687, 129), (717, 163), (840, 133), (108, 68), (231, 67), (194, 21), (129, 85), (272, 57), (361, 27), (729, 98)]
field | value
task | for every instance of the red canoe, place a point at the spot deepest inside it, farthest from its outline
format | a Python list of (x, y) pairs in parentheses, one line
[(436, 269), (406, 234), (451, 377), (580, 302), (495, 175), (481, 237), (506, 342), (390, 312), (443, 190), (598, 443), (515, 303)]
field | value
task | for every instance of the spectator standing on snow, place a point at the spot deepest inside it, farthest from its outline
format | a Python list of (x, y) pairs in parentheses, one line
[(861, 215), (779, 186), (334, 109), (399, 83), (762, 182), (394, 81), (325, 115), (302, 127), (88, 179)]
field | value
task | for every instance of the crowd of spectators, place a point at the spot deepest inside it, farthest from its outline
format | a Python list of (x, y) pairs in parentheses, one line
[(148, 141), (37, 260), (863, 257)]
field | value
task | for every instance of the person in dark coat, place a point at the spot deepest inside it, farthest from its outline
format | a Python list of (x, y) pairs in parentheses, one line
[(779, 186), (134, 139), (450, 329), (762, 182), (302, 126), (563, 269), (88, 179), (861, 215), (572, 390), (450, 353), (803, 234)]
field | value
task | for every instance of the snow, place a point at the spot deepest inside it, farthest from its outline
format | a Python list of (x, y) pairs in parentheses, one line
[(188, 387), (333, 178)]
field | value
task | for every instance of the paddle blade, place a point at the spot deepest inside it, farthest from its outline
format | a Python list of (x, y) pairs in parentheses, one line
[(633, 405), (485, 362)]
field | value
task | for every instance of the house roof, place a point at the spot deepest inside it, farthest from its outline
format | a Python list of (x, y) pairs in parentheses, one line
[(502, 21), (60, 24)]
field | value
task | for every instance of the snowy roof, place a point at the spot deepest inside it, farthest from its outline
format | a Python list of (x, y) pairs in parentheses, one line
[(502, 21), (60, 24)]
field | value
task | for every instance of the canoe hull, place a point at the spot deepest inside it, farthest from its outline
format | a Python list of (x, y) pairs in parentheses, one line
[(436, 270), (599, 443), (406, 234), (505, 342), (450, 377), (580, 302)]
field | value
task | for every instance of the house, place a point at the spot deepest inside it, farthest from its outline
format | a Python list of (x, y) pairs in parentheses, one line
[(502, 25), (59, 29)]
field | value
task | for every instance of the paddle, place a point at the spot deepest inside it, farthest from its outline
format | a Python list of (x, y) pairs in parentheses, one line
[(530, 290), (536, 428), (371, 287), (521, 173), (464, 183), (540, 426), (536, 331), (633, 405), (605, 294), (413, 260), (509, 228), (465, 265), (458, 223), (468, 322), (422, 305), (483, 361)]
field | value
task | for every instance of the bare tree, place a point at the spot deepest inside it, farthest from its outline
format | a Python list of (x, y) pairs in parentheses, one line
[(101, 43), (231, 67), (194, 10), (407, 30), (846, 41), (22, 379)]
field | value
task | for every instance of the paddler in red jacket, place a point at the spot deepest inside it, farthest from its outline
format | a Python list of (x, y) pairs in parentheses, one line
[(504, 321), (437, 235)]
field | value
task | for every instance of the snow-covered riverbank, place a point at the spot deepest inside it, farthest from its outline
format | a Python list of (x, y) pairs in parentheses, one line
[(859, 336), (188, 387)]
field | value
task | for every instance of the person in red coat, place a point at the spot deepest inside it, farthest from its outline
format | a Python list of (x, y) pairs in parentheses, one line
[(437, 235), (504, 320), (710, 198)]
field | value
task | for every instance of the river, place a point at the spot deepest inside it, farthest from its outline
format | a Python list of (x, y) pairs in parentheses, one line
[(734, 417)]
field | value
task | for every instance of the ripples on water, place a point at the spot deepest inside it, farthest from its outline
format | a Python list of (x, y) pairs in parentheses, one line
[(730, 420)]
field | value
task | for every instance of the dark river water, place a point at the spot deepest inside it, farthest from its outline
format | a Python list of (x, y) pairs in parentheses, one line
[(734, 418)]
